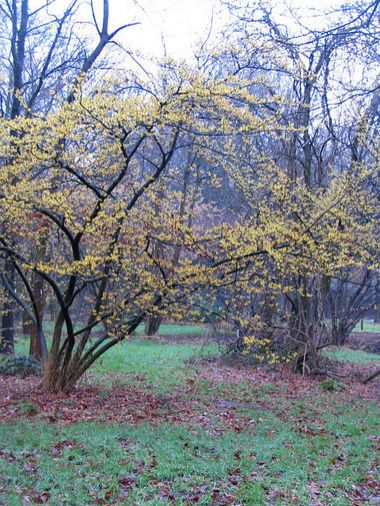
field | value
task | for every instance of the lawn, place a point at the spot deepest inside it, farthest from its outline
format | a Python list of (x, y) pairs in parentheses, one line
[(166, 329), (367, 326), (353, 356), (171, 329), (159, 423)]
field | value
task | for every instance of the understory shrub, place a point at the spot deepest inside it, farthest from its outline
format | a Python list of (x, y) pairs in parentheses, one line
[(19, 366)]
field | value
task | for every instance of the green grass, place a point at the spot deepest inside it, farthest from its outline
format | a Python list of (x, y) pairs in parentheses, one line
[(352, 356), (284, 452), (161, 365), (368, 326), (171, 329), (166, 329), (88, 462)]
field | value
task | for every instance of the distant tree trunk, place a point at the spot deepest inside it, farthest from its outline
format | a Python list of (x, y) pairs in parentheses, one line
[(7, 345), (26, 324), (377, 300), (38, 346), (53, 310), (152, 324)]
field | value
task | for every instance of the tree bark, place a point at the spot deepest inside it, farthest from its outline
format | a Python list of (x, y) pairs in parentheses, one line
[(38, 345), (152, 324), (7, 345), (377, 300), (26, 324)]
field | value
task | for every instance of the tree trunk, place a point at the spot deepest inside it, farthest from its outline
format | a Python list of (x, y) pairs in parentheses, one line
[(7, 345), (38, 346), (152, 324), (27, 325), (377, 300)]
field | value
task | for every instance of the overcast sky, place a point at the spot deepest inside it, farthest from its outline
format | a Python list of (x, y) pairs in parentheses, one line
[(181, 23)]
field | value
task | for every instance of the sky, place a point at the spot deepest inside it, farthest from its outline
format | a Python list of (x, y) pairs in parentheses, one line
[(175, 26), (180, 23)]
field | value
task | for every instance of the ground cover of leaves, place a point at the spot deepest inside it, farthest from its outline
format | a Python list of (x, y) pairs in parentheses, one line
[(218, 434)]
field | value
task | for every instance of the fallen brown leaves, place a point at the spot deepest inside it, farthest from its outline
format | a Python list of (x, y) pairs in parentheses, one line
[(132, 404), (289, 385), (126, 403), (84, 403)]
